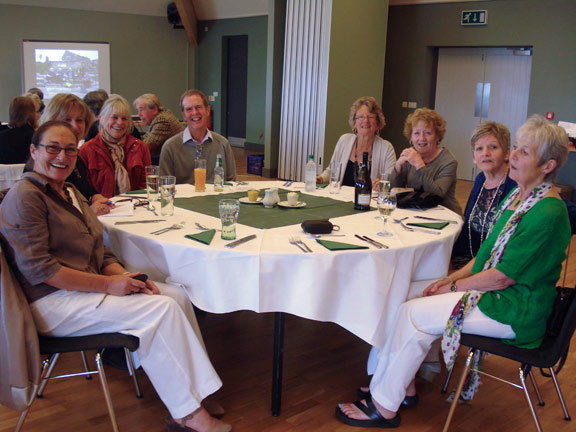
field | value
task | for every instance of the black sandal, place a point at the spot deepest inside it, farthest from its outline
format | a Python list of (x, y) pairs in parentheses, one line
[(375, 418), (408, 402)]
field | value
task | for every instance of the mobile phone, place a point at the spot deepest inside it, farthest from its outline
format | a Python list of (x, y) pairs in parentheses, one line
[(141, 277)]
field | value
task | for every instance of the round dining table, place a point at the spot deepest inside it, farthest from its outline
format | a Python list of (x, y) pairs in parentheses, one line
[(359, 289)]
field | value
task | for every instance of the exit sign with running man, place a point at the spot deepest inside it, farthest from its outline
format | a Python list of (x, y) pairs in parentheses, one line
[(474, 17)]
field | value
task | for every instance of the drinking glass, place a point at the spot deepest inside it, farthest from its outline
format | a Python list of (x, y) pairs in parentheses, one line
[(200, 175), (335, 178), (229, 209), (386, 205), (167, 192), (152, 183), (384, 183)]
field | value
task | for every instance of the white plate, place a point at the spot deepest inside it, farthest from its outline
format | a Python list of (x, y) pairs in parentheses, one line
[(245, 200), (285, 204)]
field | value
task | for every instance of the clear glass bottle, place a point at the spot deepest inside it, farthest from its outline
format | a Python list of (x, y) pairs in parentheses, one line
[(363, 186), (310, 175), (218, 175)]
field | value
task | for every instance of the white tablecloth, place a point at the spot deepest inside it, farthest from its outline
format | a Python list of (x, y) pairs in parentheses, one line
[(357, 289)]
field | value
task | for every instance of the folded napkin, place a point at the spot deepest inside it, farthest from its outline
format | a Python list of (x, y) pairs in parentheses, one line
[(202, 237), (139, 192), (333, 246), (431, 225)]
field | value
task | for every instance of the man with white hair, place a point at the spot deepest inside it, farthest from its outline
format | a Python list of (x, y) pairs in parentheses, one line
[(162, 123)]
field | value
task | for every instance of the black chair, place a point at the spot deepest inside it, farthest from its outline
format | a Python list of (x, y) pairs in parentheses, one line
[(54, 346), (552, 350)]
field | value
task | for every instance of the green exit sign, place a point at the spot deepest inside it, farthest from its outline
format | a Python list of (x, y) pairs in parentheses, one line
[(474, 17)]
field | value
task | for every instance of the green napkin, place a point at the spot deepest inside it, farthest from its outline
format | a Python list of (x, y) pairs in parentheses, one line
[(333, 246), (431, 225), (139, 191), (203, 237)]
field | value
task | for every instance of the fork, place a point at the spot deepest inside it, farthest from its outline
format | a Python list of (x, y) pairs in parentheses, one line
[(412, 229), (203, 227), (294, 241), (176, 226), (300, 242)]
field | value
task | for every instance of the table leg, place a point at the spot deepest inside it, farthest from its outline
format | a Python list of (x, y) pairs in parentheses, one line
[(277, 363)]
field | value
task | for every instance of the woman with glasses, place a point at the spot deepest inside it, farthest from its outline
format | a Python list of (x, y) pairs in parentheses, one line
[(75, 286), (72, 110), (426, 166), (366, 120), (116, 161)]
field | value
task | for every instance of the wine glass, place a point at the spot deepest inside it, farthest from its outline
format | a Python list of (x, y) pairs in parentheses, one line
[(386, 205)]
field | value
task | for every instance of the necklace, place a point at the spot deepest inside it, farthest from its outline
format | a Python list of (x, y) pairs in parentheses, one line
[(482, 229), (67, 193)]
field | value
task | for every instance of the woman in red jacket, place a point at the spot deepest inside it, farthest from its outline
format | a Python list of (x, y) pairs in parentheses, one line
[(115, 160)]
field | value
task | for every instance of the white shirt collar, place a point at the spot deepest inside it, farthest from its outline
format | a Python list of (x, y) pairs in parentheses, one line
[(188, 136)]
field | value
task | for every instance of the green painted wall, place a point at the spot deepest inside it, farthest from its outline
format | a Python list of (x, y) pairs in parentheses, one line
[(357, 53), (209, 67), (549, 26), (147, 55)]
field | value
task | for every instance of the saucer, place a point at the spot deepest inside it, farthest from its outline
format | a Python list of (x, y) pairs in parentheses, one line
[(245, 200), (285, 204)]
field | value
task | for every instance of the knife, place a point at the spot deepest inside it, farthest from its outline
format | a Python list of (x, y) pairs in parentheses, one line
[(375, 242), (139, 221), (240, 241), (434, 219)]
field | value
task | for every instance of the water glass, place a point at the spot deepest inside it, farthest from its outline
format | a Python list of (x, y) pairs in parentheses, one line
[(167, 192), (384, 183), (152, 183), (200, 175), (335, 179), (229, 209)]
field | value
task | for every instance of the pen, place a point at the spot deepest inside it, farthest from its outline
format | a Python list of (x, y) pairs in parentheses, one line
[(117, 201)]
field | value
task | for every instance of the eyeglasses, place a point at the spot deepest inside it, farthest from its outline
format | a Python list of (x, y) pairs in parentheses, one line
[(54, 149), (140, 203), (364, 117)]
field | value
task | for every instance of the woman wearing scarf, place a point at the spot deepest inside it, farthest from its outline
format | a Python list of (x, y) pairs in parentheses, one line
[(115, 160), (506, 291)]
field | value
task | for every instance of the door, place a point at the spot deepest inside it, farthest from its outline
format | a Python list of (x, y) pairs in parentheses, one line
[(479, 84), (235, 88)]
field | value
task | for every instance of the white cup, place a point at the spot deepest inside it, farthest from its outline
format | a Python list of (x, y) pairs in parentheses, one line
[(292, 198)]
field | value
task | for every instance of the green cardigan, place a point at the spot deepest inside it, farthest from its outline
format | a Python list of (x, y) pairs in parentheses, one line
[(533, 259)]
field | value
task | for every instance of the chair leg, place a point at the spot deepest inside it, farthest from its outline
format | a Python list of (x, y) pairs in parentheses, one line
[(43, 373), (106, 391), (85, 361), (132, 372), (458, 391), (534, 416), (50, 362), (566, 413), (536, 388), (447, 381)]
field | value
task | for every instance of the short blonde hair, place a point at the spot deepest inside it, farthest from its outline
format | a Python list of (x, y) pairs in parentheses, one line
[(61, 104), (151, 101), (116, 104), (370, 103), (428, 116), (550, 140), (497, 130)]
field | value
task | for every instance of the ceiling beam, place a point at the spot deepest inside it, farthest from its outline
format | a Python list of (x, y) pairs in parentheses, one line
[(189, 20)]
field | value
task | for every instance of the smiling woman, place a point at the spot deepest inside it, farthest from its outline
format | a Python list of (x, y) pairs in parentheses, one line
[(115, 160)]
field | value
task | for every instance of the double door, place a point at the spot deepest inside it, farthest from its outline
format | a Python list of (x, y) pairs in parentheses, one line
[(479, 84)]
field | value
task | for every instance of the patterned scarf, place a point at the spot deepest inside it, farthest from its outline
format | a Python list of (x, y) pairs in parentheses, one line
[(453, 330), (121, 178)]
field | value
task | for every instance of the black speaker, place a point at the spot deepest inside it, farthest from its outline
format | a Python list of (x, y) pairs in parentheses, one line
[(173, 15)]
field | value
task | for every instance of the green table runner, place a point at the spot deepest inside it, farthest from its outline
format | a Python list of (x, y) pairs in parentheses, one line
[(257, 216)]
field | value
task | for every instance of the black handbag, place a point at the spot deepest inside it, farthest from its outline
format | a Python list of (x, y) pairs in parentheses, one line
[(418, 200)]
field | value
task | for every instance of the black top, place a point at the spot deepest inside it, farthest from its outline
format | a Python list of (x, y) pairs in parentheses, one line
[(15, 144)]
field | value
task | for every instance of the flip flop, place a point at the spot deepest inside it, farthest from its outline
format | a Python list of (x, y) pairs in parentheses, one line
[(375, 418), (408, 402)]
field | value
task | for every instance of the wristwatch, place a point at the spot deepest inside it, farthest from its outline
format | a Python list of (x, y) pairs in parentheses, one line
[(453, 287)]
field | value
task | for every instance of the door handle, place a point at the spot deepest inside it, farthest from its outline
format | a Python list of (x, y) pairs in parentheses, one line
[(482, 101), (478, 100), (485, 100)]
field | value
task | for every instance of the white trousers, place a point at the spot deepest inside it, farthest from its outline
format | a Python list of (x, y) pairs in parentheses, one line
[(171, 351), (419, 323)]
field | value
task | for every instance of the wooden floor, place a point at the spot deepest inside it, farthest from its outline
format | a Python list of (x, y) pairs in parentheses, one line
[(323, 365)]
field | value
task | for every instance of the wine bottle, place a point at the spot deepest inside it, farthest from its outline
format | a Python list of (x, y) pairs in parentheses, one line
[(363, 186)]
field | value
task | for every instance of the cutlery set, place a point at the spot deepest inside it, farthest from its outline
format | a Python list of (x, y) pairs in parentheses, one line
[(374, 243), (287, 183), (295, 240)]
